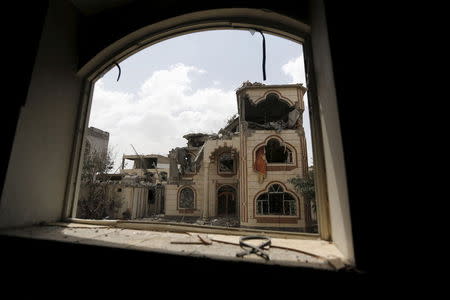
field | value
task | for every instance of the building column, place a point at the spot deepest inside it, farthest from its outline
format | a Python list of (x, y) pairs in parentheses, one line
[(243, 199), (205, 212)]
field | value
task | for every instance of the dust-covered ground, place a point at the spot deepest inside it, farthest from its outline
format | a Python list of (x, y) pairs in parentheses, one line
[(212, 221), (231, 221)]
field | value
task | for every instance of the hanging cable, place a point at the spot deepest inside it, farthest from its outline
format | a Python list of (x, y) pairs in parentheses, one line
[(252, 31), (120, 71), (264, 55)]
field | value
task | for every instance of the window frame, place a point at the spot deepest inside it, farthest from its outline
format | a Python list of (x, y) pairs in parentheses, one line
[(291, 149), (184, 209), (268, 192), (277, 166), (219, 186), (327, 143), (233, 172)]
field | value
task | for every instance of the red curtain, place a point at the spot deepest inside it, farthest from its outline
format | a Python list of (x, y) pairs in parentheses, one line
[(260, 162)]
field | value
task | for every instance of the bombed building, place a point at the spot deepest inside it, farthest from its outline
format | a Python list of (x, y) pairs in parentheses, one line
[(134, 193), (243, 170)]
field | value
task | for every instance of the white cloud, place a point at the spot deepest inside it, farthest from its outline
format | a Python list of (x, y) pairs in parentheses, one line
[(296, 69), (164, 109)]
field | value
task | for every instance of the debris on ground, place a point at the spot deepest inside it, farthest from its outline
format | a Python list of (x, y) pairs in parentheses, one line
[(214, 221)]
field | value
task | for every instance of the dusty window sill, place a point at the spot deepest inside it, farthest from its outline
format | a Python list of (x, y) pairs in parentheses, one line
[(313, 253)]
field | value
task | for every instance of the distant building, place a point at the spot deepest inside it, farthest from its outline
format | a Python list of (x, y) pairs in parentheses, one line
[(97, 140)]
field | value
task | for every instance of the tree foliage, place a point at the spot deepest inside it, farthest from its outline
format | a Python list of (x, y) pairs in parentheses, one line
[(97, 200), (305, 186)]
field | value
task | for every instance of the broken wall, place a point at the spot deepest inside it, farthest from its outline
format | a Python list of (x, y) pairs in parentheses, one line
[(135, 200), (196, 181)]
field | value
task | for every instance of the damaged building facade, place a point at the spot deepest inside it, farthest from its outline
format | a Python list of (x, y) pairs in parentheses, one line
[(243, 171), (139, 188)]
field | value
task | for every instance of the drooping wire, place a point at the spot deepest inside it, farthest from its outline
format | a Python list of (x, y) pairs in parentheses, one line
[(252, 31), (120, 71), (264, 55)]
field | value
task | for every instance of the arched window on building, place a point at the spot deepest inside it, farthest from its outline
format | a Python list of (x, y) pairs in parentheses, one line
[(226, 198), (277, 152), (276, 202), (186, 199)]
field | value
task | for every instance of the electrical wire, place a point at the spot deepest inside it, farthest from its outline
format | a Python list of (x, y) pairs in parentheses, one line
[(264, 54), (120, 71)]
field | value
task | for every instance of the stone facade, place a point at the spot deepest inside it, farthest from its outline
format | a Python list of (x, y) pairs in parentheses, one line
[(267, 114), (241, 172)]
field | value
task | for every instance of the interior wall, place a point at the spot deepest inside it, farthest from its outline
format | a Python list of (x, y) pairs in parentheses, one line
[(341, 229), (19, 64), (35, 180)]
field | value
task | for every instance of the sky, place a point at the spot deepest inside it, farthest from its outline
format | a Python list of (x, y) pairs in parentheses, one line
[(188, 84)]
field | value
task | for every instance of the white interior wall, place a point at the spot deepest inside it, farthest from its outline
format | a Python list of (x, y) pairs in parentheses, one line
[(37, 172)]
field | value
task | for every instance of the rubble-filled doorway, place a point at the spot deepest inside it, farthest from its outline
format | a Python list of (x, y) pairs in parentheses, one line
[(226, 201)]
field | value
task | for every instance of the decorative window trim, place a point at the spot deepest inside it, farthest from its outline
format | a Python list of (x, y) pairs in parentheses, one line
[(236, 194), (276, 218), (186, 210), (280, 96), (235, 162), (278, 166)]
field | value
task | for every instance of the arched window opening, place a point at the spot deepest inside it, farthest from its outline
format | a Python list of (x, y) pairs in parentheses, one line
[(226, 197), (187, 199), (278, 153), (276, 202), (270, 109)]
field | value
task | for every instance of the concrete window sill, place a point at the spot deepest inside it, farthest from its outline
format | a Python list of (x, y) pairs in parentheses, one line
[(312, 253)]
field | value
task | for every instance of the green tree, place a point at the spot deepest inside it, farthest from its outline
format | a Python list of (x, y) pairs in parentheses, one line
[(96, 200), (305, 186)]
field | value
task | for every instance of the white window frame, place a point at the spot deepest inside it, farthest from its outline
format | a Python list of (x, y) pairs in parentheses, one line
[(284, 190)]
